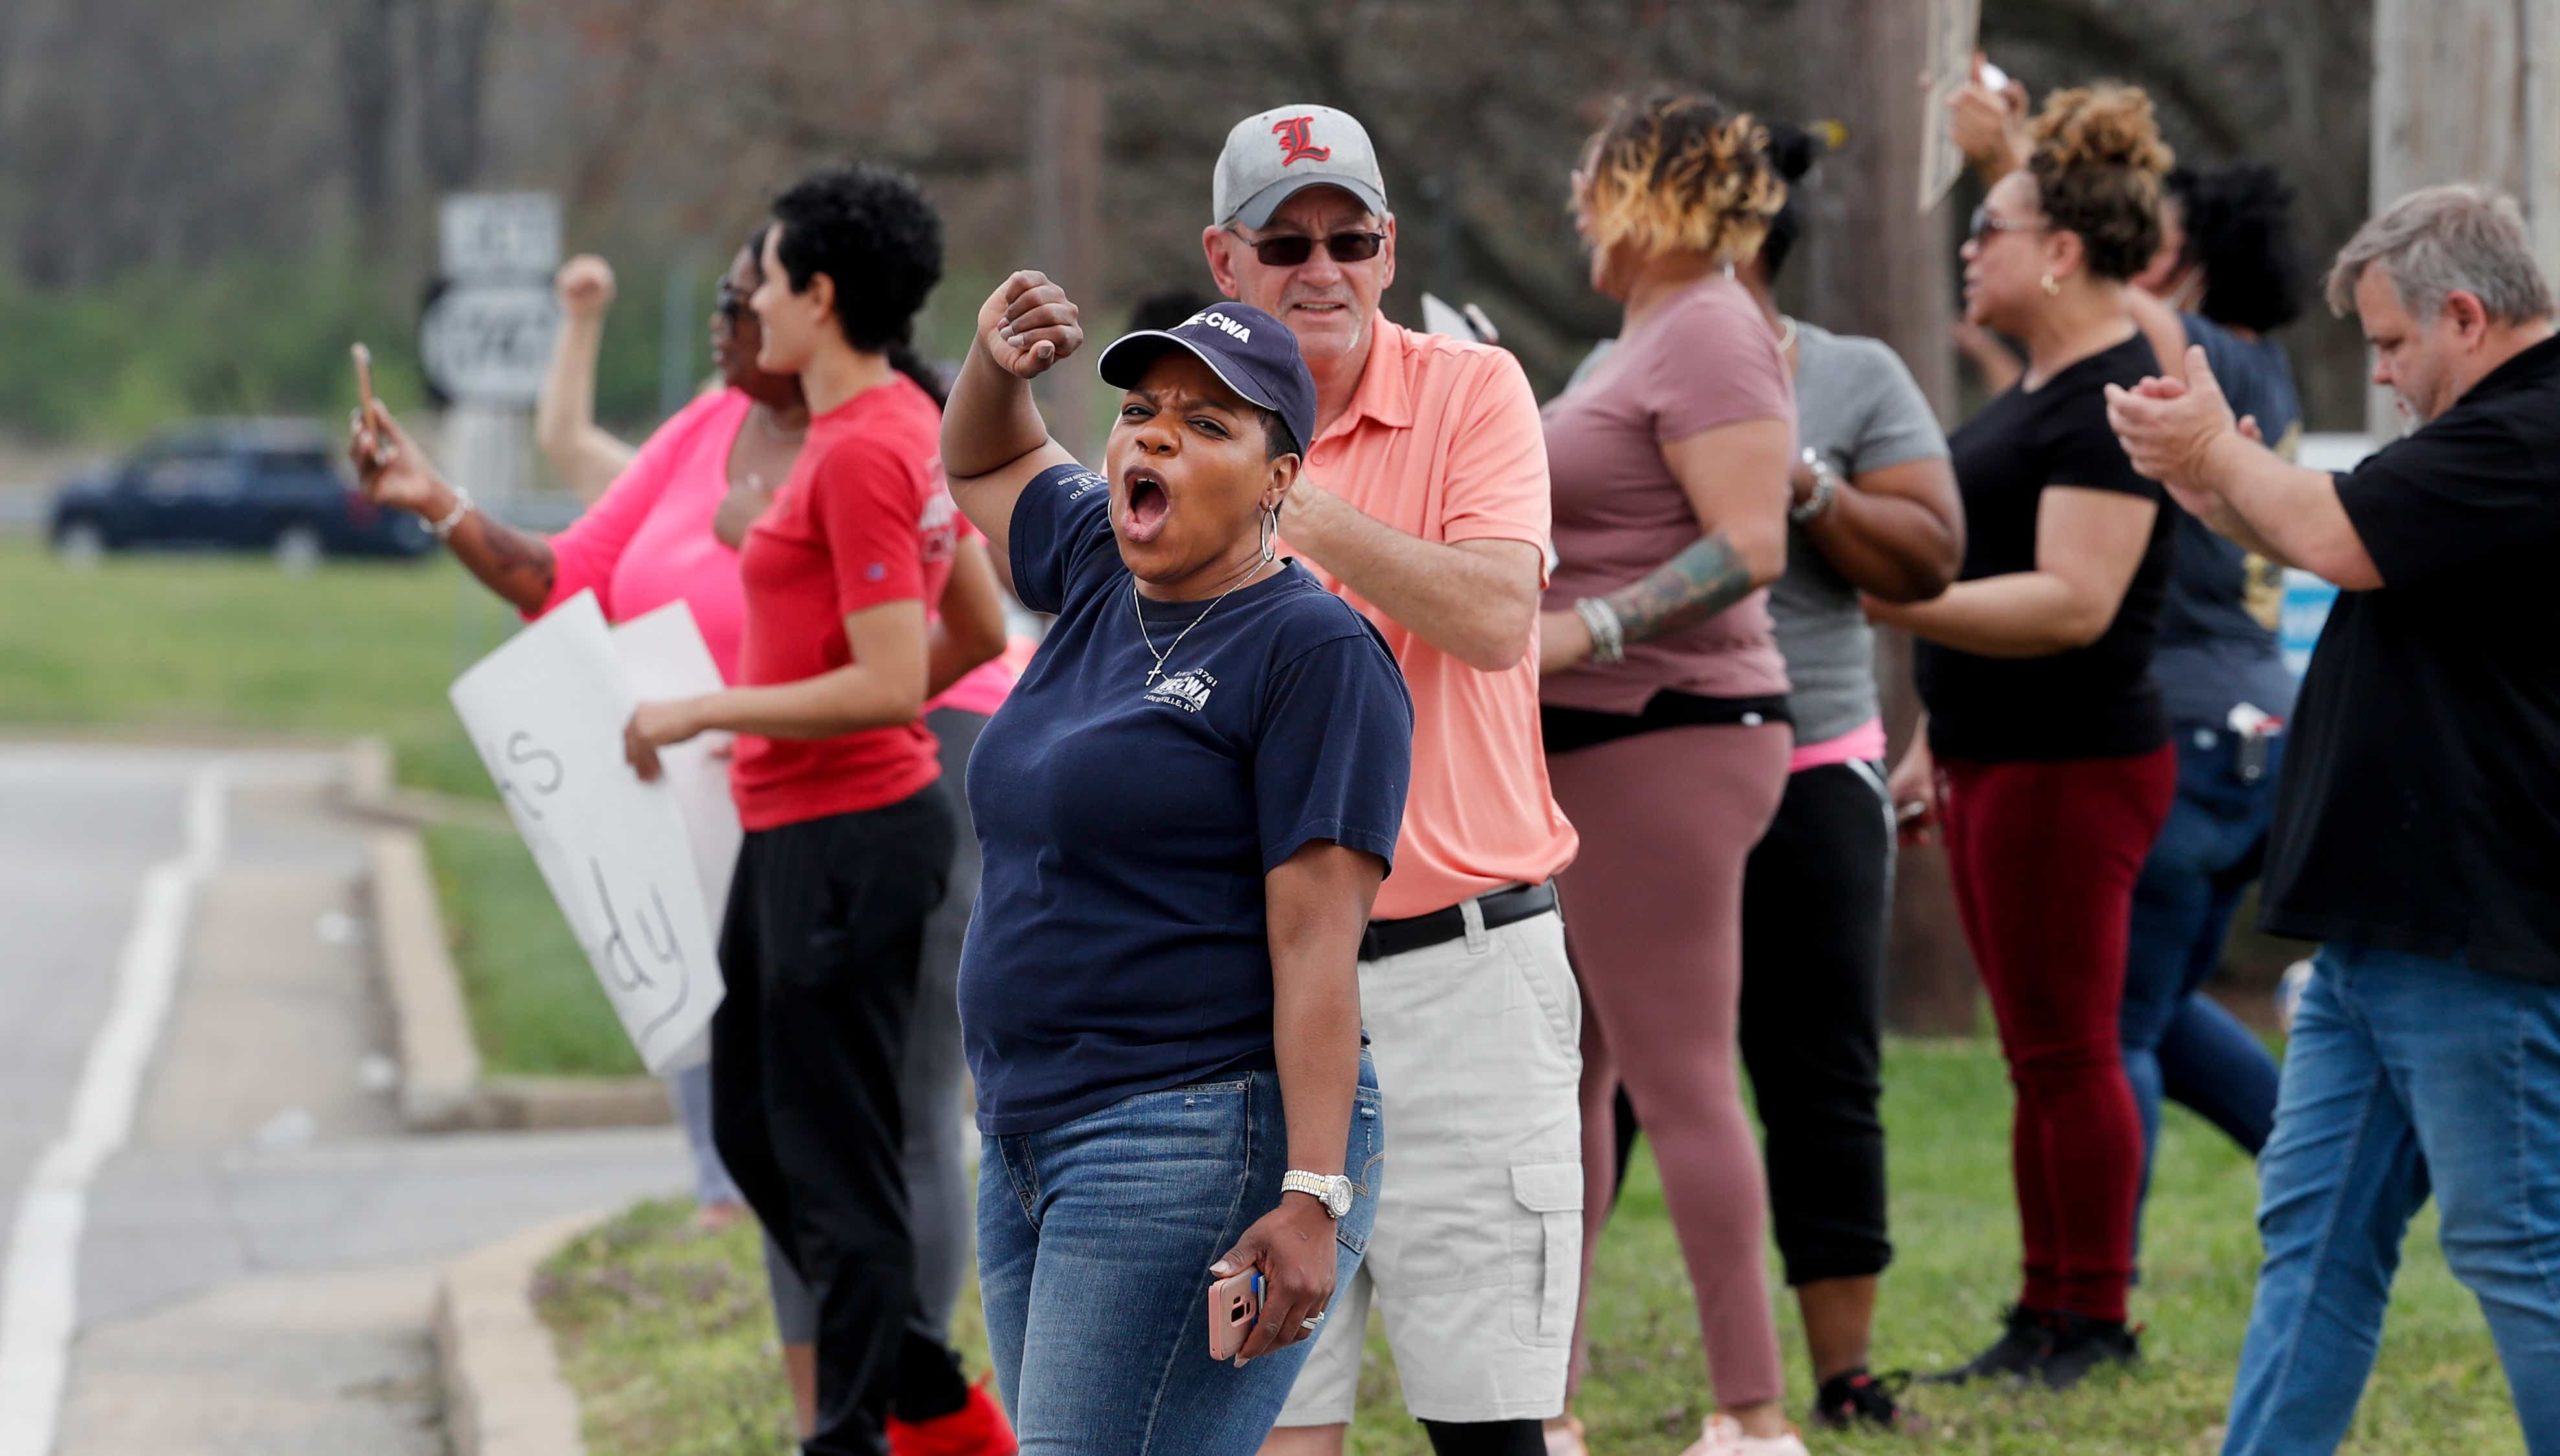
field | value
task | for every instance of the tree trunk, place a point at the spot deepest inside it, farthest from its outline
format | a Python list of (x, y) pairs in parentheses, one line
[(1880, 267), (2466, 91), (453, 68), (368, 94)]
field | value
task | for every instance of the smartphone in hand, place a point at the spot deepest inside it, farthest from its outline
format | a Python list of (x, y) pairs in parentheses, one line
[(364, 379), (1235, 1304)]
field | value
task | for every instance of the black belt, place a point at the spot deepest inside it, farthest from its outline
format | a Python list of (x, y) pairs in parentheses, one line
[(1386, 938)]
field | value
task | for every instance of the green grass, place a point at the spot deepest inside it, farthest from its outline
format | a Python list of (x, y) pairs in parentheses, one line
[(535, 1007), (228, 644), (668, 1337), (665, 1333), (193, 644)]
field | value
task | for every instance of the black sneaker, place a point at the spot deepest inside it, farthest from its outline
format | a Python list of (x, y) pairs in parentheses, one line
[(2020, 1348), (2081, 1345), (1854, 1398)]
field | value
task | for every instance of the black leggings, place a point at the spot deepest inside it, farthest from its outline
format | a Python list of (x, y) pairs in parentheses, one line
[(1815, 899), (824, 934), (1486, 1438)]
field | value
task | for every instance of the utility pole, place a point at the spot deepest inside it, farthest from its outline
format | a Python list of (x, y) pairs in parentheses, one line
[(2468, 91), (1874, 264)]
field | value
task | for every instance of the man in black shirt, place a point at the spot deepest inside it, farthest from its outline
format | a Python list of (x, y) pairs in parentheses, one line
[(2418, 825)]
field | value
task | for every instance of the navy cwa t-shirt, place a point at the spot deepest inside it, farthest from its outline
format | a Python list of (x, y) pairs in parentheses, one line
[(1119, 941)]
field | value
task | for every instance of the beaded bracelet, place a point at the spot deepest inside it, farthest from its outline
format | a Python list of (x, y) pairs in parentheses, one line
[(1608, 634)]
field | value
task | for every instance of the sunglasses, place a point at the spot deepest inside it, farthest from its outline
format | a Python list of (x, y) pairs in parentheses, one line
[(1291, 249), (1985, 224)]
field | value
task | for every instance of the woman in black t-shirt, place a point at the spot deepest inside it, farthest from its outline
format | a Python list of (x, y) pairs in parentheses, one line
[(2047, 752)]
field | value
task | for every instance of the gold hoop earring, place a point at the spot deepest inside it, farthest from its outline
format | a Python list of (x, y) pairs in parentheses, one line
[(2052, 286)]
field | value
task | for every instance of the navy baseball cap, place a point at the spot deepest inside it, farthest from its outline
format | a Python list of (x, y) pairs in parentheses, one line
[(1254, 353)]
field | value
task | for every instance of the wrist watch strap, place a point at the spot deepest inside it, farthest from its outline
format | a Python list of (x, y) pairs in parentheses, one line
[(1314, 1185)]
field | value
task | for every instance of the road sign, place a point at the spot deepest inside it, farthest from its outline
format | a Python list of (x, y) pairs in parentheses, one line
[(499, 235), (489, 342)]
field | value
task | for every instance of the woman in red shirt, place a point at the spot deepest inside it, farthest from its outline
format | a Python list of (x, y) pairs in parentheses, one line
[(849, 829)]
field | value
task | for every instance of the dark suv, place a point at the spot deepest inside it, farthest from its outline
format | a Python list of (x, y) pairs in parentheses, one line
[(231, 485)]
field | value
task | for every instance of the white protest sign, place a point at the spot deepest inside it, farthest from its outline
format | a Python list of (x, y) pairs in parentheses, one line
[(662, 655), (1954, 28), (546, 711)]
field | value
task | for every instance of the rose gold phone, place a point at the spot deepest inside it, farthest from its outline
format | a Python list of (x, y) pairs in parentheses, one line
[(364, 380), (1235, 1303)]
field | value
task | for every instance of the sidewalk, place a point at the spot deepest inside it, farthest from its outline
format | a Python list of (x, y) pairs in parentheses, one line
[(257, 1274)]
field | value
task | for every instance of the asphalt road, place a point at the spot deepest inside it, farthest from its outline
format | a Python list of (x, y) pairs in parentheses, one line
[(219, 1241)]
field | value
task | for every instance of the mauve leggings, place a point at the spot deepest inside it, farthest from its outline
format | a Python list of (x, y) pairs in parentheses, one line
[(1653, 916), (2044, 857)]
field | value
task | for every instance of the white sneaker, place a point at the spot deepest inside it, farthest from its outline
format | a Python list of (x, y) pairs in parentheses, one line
[(1723, 1437)]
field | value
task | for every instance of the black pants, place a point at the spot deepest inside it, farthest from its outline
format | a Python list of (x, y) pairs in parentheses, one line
[(825, 931), (1816, 896)]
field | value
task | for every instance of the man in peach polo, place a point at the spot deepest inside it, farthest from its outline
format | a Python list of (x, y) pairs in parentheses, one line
[(1424, 504)]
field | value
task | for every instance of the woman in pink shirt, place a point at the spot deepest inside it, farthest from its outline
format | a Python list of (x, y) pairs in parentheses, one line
[(1665, 699), (666, 531)]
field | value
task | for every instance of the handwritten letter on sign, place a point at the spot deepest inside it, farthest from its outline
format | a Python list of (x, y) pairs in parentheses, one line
[(630, 874)]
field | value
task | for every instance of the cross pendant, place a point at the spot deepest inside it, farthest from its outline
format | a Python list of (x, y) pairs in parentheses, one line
[(1152, 674)]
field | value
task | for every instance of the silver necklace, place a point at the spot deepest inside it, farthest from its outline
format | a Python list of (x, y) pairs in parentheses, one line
[(1176, 645)]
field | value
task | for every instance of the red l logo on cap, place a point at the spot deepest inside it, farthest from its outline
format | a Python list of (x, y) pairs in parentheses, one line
[(1294, 146)]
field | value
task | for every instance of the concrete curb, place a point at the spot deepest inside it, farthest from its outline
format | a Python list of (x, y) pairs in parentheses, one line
[(368, 778), (370, 791), (439, 1065), (524, 1103), (503, 1395)]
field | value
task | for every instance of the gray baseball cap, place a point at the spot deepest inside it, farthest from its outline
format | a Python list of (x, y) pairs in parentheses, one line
[(1271, 155)]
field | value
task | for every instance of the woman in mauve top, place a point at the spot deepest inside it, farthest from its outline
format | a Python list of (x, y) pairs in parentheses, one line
[(2047, 751), (1876, 511), (1665, 701)]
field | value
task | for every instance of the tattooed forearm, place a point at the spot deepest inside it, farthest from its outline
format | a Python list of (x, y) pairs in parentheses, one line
[(1701, 581), (509, 562)]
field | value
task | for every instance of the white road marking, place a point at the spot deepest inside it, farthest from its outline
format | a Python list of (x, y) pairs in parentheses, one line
[(39, 1300)]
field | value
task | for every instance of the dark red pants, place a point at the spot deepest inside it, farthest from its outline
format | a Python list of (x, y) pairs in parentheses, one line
[(2044, 857)]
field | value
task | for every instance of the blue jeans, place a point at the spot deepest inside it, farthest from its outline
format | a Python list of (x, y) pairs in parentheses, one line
[(691, 1089), (2178, 1041), (1094, 1246), (2404, 1074)]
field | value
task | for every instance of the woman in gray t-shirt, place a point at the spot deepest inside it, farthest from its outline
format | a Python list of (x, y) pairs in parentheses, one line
[(1876, 512)]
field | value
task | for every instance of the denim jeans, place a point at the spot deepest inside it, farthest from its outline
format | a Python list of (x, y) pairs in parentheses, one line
[(2178, 1041), (2404, 1075), (1094, 1245), (691, 1089)]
